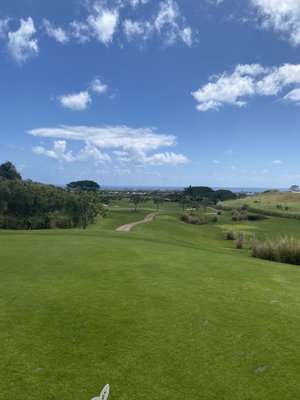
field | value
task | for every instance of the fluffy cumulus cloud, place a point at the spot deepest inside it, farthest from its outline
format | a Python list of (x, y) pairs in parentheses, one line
[(21, 43), (76, 101), (247, 81), (281, 15), (59, 152), (103, 24), (57, 33), (127, 145), (82, 100)]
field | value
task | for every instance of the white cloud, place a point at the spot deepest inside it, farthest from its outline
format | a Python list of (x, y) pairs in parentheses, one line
[(167, 23), (264, 171), (103, 23), (167, 15), (166, 158), (56, 33), (187, 36), (128, 144), (4, 27), (122, 171), (76, 101), (80, 31), (247, 81), (135, 3), (282, 16), (215, 2), (98, 87), (277, 162), (216, 162), (137, 29), (91, 152), (21, 44), (137, 156), (58, 152), (293, 96)]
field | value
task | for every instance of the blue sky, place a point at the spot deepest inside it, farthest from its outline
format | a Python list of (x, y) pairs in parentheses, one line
[(152, 92)]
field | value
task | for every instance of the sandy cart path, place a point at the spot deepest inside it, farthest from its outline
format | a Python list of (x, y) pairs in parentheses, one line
[(127, 227)]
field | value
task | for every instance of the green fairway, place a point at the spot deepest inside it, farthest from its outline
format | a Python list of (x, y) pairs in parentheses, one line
[(169, 310)]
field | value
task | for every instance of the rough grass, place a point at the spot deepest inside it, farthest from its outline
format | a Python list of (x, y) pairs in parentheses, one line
[(273, 203), (285, 249), (165, 311)]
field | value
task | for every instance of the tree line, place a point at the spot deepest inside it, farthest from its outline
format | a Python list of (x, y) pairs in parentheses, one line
[(25, 204)]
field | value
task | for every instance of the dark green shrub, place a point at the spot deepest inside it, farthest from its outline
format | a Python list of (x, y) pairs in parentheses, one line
[(256, 217)]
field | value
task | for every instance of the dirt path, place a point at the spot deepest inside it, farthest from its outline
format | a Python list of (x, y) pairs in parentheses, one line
[(127, 227)]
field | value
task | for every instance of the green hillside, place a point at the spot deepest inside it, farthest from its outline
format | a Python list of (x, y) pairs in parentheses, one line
[(282, 204)]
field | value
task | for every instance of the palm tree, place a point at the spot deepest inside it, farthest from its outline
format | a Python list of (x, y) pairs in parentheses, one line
[(136, 198), (158, 200)]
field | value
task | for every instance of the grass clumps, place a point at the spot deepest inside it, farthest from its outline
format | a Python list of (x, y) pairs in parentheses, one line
[(285, 249), (242, 215), (239, 242), (191, 219), (229, 234)]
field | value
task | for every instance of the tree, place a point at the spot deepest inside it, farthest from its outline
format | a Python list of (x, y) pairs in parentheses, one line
[(136, 198), (223, 195), (86, 185), (294, 188), (9, 171), (158, 200), (205, 203), (198, 192), (184, 201)]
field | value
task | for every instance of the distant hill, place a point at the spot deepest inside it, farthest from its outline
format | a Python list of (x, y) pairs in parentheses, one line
[(273, 202)]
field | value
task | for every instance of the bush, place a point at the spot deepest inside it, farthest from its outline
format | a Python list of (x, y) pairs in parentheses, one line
[(214, 219), (219, 212), (229, 234), (61, 221), (286, 249), (239, 215), (256, 217), (239, 243), (190, 219)]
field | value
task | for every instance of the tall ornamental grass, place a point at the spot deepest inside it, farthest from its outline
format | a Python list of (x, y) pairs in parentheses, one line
[(285, 249)]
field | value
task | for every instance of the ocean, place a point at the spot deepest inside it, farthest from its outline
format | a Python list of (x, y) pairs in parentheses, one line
[(247, 190)]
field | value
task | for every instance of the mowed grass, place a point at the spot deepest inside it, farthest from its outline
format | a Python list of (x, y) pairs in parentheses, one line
[(169, 310)]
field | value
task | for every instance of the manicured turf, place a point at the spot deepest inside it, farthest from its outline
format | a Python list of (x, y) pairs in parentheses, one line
[(169, 310)]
